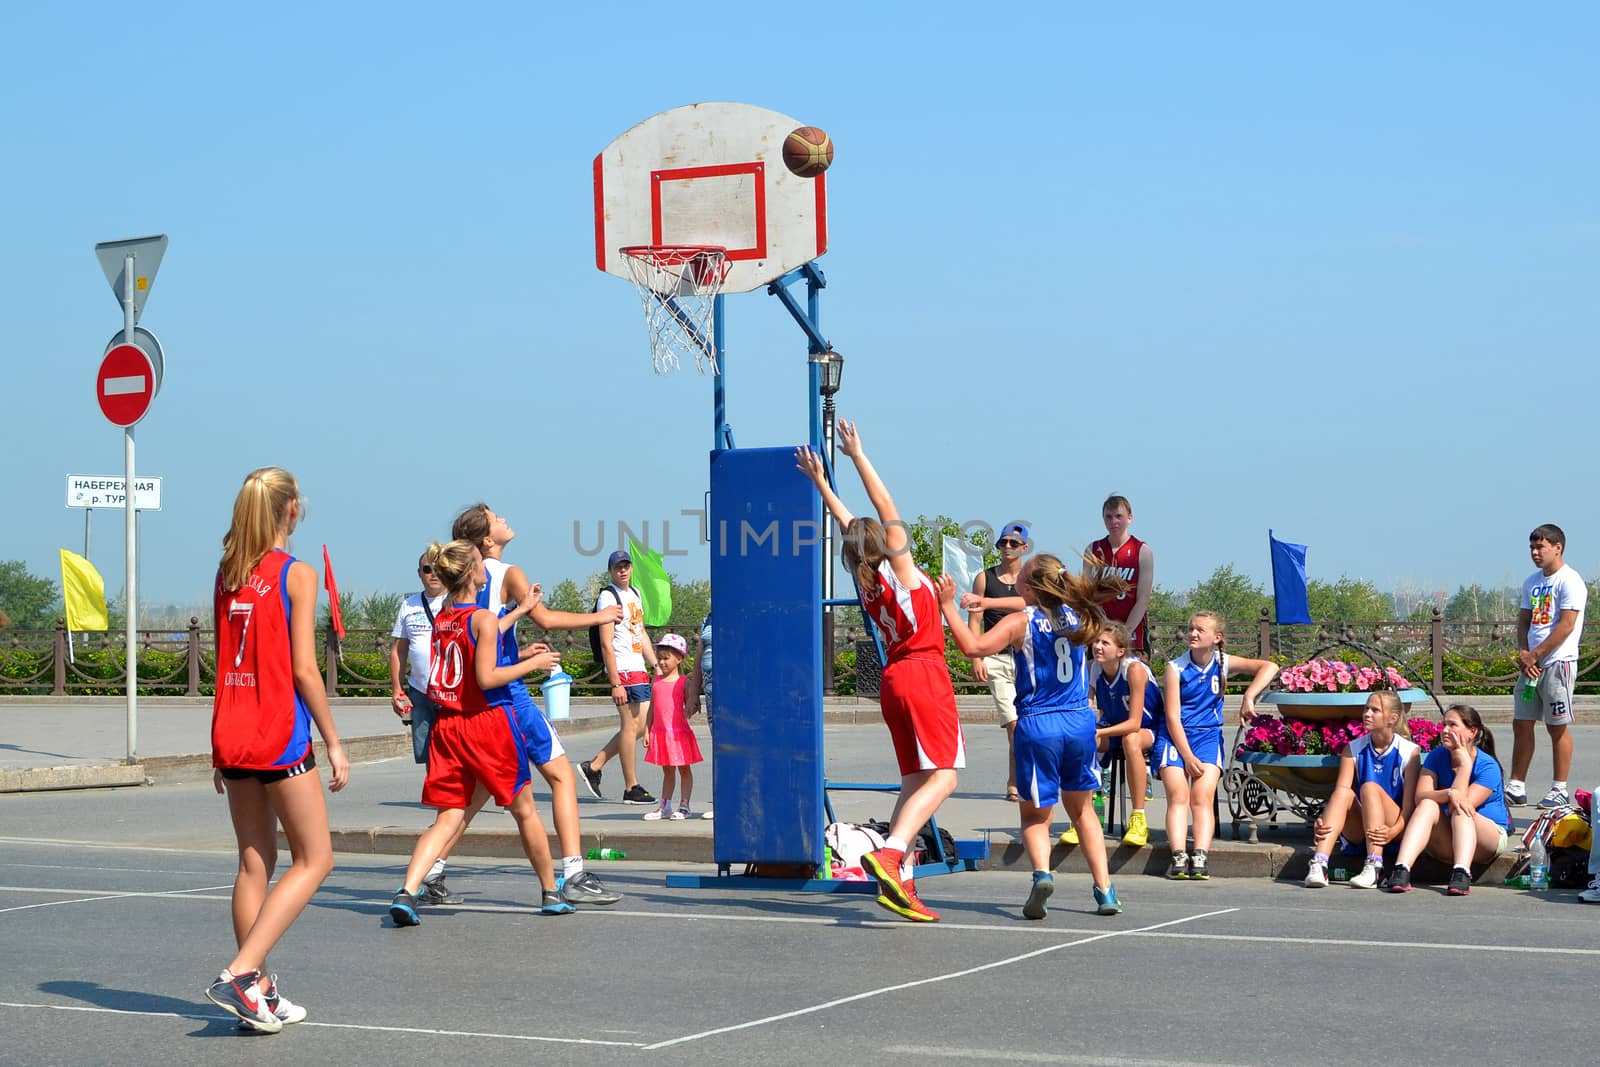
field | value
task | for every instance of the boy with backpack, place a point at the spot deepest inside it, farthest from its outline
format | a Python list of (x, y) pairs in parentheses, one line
[(629, 659)]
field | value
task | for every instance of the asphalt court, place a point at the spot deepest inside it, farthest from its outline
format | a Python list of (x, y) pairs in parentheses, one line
[(107, 950)]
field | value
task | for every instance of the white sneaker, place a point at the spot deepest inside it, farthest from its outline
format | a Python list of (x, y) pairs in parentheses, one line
[(1592, 894), (654, 815), (1316, 876), (707, 814), (680, 814), (1368, 878)]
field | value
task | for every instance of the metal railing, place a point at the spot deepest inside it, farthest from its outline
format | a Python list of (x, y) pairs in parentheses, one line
[(1448, 656)]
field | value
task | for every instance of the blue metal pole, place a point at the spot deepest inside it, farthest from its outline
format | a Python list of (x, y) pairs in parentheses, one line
[(719, 386)]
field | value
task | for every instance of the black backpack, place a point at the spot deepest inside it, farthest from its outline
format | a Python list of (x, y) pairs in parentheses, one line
[(594, 631)]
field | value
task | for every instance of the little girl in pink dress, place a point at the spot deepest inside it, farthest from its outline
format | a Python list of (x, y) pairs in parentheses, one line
[(671, 744)]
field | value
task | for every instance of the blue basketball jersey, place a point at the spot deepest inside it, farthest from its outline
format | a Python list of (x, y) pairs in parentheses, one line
[(1386, 768), (1111, 696), (1050, 668), (1200, 691)]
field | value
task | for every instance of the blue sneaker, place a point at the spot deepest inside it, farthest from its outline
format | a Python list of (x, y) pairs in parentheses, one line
[(1556, 798), (1044, 883), (404, 909), (553, 903), (1106, 901)]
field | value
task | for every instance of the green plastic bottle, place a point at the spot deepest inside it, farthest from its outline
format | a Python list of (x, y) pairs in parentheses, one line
[(606, 854)]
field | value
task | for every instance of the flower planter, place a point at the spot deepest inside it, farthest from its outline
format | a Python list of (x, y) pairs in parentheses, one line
[(1308, 775), (1317, 707)]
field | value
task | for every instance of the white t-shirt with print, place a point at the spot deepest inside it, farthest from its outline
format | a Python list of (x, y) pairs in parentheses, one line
[(628, 637), (1547, 599), (414, 625)]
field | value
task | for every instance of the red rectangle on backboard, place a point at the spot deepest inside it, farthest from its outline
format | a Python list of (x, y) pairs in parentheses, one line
[(757, 207)]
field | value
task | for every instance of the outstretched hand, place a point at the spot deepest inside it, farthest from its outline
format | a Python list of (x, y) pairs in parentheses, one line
[(809, 463), (946, 588), (849, 439)]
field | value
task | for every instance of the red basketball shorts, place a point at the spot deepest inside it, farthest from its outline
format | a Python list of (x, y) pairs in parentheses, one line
[(919, 707), (466, 748)]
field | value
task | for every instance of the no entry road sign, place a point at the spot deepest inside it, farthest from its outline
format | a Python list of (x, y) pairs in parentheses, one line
[(125, 385)]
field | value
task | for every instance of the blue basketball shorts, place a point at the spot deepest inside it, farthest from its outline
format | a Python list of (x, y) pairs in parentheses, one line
[(1055, 754), (539, 741), (1204, 741)]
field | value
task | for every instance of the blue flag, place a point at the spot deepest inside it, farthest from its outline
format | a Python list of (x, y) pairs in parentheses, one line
[(1289, 581)]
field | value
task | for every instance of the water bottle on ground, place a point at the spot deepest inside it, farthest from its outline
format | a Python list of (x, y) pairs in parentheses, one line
[(1538, 867), (606, 854)]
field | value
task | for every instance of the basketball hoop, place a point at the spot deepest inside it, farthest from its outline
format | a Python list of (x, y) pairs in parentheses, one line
[(678, 286)]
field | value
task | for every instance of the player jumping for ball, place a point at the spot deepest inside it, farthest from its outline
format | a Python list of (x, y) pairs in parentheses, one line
[(919, 705)]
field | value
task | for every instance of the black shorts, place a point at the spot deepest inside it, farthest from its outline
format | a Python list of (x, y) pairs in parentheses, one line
[(277, 774)]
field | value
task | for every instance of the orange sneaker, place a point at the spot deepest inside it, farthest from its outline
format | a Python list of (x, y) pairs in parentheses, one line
[(916, 910), (884, 865)]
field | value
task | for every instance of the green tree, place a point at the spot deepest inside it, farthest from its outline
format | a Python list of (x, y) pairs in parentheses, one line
[(1474, 603), (33, 603), (1230, 594), (691, 601), (1347, 600), (376, 610), (566, 596), (349, 612), (1166, 605), (928, 550)]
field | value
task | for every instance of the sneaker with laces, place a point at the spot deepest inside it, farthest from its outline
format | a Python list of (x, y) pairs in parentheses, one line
[(884, 865), (590, 779), (913, 909), (638, 795), (1368, 876), (1069, 836), (654, 816), (240, 995), (1138, 832), (1592, 894), (1106, 901), (404, 909), (1316, 875), (1556, 798), (1516, 798), (1400, 879), (552, 902), (1044, 884), (585, 888), (1460, 882), (1178, 869), (1198, 871), (286, 1010), (434, 891)]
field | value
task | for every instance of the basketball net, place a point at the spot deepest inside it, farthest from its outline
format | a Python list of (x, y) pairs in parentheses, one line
[(678, 286)]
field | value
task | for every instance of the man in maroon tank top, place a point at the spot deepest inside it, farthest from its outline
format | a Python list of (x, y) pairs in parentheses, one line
[(1123, 554)]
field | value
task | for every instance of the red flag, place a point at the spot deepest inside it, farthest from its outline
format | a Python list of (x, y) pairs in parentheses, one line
[(333, 593)]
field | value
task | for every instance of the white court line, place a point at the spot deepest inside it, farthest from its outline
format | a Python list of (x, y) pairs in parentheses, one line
[(327, 1026), (1437, 946), (1078, 1060), (929, 981), (105, 896), (64, 842), (127, 870)]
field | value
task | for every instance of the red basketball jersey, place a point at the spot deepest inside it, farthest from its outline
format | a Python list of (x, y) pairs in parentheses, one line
[(1124, 563), (258, 721), (453, 678), (908, 619)]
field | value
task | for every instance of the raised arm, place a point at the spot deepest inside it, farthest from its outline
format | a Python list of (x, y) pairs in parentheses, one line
[(810, 464), (896, 537), (485, 629), (1003, 637)]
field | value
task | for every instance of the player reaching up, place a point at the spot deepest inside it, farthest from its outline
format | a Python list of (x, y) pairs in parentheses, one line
[(919, 704)]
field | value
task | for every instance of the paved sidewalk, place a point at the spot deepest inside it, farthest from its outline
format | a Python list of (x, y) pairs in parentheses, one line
[(53, 745)]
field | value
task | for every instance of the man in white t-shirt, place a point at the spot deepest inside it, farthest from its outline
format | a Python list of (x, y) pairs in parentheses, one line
[(628, 652), (1549, 624)]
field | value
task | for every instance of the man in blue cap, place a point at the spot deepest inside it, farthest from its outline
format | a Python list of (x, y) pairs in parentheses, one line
[(993, 597), (630, 662)]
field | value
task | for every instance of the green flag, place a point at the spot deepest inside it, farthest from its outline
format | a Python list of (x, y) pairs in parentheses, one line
[(650, 578)]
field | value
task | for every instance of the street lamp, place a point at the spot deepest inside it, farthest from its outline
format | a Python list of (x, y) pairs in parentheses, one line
[(830, 366)]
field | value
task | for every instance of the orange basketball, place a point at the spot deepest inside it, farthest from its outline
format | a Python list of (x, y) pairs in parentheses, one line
[(808, 151)]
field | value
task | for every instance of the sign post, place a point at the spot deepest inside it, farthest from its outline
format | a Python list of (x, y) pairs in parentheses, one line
[(127, 384)]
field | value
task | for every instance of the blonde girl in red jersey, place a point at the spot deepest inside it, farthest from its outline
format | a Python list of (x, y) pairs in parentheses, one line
[(269, 691), (919, 705)]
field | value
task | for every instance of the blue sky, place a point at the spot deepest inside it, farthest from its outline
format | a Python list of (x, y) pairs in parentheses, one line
[(1248, 265)]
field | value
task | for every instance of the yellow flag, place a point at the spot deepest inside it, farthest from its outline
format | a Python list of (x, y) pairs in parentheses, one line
[(84, 592)]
